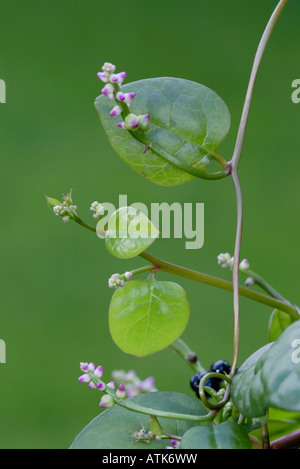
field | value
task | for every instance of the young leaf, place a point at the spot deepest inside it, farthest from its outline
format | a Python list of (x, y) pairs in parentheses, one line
[(279, 321), (271, 377), (129, 233), (227, 435), (113, 428), (146, 316), (189, 121)]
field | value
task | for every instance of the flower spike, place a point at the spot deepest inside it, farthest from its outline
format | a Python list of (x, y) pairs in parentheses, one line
[(65, 209), (112, 90)]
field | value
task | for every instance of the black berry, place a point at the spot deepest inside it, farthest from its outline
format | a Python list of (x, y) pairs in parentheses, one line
[(221, 366), (213, 383), (195, 380)]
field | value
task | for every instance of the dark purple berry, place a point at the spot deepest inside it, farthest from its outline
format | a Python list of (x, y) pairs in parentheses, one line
[(195, 380), (213, 383), (221, 366)]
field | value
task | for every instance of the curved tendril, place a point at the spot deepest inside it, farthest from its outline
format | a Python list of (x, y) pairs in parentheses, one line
[(204, 400)]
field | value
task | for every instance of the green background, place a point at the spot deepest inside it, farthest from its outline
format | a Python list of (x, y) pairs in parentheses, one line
[(54, 294)]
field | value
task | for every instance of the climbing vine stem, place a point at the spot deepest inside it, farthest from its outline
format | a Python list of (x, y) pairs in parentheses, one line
[(235, 177)]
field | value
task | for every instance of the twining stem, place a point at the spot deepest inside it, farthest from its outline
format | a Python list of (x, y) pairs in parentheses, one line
[(265, 438), (235, 270), (235, 165), (257, 61), (291, 441), (221, 403)]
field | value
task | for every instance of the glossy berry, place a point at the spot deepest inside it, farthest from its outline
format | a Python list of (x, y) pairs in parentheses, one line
[(213, 383), (221, 366), (195, 380)]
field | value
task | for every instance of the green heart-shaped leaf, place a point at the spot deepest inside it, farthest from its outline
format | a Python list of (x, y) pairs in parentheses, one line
[(246, 389), (227, 435), (113, 428), (189, 121), (146, 316), (270, 377), (279, 321), (129, 233)]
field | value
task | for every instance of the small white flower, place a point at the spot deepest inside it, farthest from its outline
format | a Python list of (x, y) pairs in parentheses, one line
[(130, 375), (92, 385), (244, 265), (108, 67), (119, 375), (111, 385), (116, 281), (249, 282), (97, 208), (223, 259), (57, 210)]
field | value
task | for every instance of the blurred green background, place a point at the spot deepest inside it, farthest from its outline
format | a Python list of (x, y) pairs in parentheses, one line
[(54, 294)]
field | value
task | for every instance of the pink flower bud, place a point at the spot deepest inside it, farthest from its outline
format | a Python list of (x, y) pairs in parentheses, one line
[(116, 111), (100, 386), (107, 402), (103, 76), (84, 366), (121, 393), (131, 122), (120, 96), (84, 378), (145, 122), (108, 91), (98, 372), (129, 97)]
